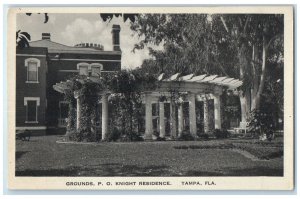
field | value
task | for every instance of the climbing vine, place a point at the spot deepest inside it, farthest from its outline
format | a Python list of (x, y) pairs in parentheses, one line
[(125, 104)]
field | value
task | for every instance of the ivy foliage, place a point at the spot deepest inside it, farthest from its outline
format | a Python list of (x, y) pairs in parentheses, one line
[(125, 104)]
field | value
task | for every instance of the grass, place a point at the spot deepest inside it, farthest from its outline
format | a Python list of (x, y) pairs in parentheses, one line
[(42, 156), (261, 150)]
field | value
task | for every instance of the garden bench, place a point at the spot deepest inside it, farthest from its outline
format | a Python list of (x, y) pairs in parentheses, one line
[(243, 127), (23, 135)]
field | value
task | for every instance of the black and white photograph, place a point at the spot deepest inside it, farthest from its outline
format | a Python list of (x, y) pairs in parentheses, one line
[(149, 95)]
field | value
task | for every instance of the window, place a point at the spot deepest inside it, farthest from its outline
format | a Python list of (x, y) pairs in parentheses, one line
[(83, 68), (32, 65), (32, 71), (93, 69), (96, 69), (31, 104)]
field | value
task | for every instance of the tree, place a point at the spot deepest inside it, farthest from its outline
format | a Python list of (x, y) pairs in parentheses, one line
[(235, 45), (254, 37), (22, 39), (187, 40)]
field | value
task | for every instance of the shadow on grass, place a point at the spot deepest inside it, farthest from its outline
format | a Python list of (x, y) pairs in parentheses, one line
[(256, 171), (202, 173), (49, 172), (132, 170), (101, 170)]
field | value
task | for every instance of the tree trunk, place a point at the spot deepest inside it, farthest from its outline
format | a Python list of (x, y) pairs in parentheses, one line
[(245, 96), (250, 98), (255, 82), (263, 75)]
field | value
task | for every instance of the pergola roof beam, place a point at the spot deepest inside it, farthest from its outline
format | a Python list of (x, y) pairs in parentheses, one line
[(197, 78), (58, 89), (238, 84), (227, 80), (209, 78), (161, 76), (232, 83), (174, 77), (186, 77), (217, 80)]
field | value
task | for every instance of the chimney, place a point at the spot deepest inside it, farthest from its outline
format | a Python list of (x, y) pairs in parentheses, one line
[(116, 37), (46, 36)]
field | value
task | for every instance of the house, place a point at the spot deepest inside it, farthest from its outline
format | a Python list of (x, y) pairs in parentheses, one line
[(38, 107)]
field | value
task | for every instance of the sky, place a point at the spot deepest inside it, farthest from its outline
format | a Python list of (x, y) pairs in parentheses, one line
[(71, 29)]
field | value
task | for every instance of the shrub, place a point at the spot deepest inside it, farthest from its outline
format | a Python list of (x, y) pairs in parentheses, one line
[(113, 135), (131, 138), (136, 137), (160, 139), (124, 138), (186, 136), (204, 136), (221, 134), (156, 133), (74, 136), (157, 136), (261, 122), (82, 134)]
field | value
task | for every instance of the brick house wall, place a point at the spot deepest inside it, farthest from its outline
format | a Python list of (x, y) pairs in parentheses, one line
[(27, 90), (57, 62)]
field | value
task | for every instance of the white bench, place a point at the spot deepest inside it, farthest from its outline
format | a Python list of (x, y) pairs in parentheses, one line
[(243, 127)]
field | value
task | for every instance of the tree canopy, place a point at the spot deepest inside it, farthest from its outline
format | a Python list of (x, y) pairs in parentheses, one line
[(244, 46)]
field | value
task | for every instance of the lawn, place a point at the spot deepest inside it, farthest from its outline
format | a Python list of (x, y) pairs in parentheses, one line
[(43, 156)]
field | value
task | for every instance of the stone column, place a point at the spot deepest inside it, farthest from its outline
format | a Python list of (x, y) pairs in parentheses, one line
[(104, 116), (192, 115), (173, 120), (162, 130), (78, 112), (206, 116), (217, 112), (180, 119), (148, 118)]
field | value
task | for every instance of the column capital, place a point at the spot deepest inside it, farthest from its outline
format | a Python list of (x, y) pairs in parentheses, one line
[(204, 97), (191, 93), (105, 94), (76, 94), (216, 95), (147, 93)]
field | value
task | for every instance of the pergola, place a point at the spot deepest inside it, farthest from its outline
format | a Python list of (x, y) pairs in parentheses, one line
[(194, 88)]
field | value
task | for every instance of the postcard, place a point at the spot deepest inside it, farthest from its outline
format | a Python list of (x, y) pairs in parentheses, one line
[(151, 98)]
